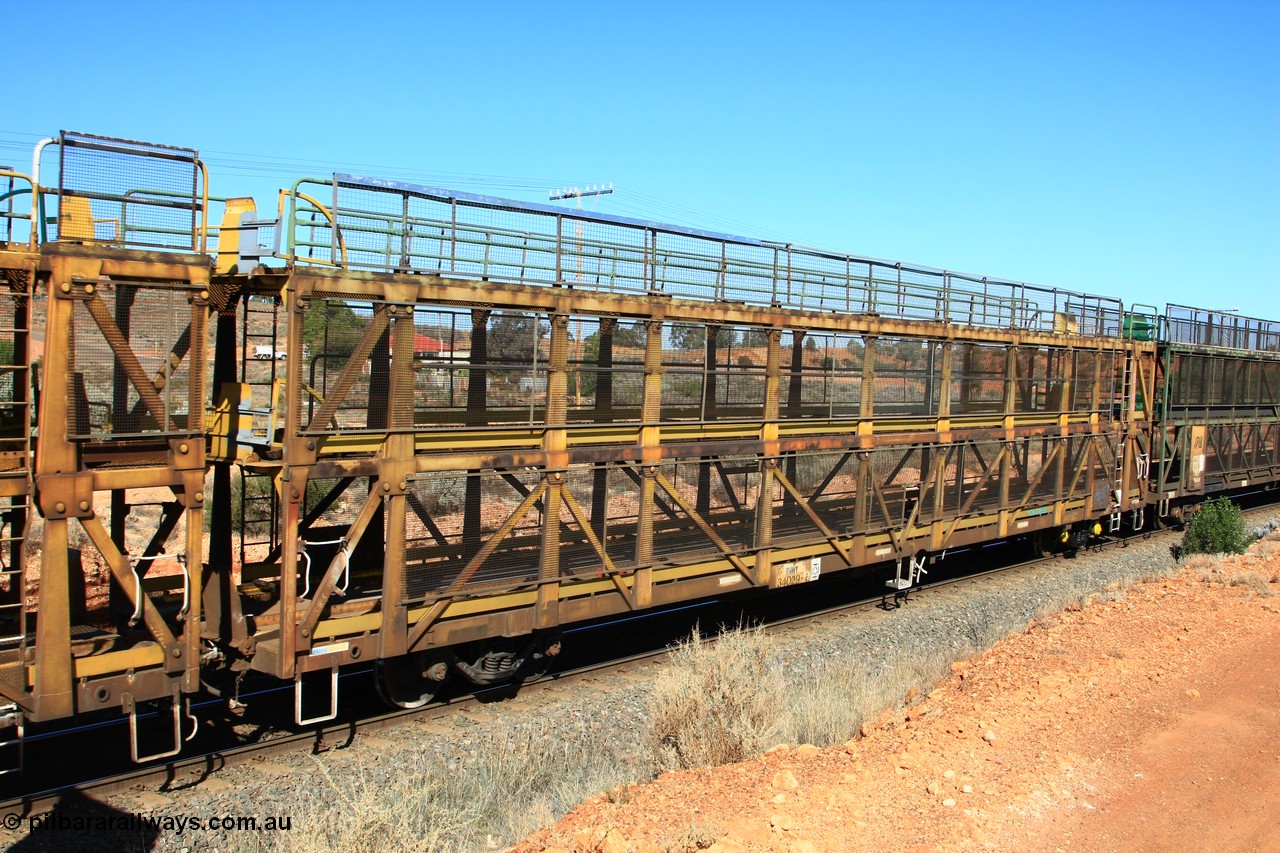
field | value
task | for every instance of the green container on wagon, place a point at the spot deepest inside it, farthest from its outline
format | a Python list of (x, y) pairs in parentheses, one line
[(1138, 327)]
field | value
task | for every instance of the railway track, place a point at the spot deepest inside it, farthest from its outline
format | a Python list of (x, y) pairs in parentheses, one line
[(186, 771)]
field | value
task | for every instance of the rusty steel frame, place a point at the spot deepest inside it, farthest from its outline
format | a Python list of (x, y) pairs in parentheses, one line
[(69, 475), (1203, 446), (383, 620), (1047, 429), (388, 459)]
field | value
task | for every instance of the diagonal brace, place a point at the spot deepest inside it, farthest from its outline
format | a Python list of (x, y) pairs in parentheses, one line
[(350, 370), (706, 529), (123, 573), (128, 360), (827, 532), (575, 509), (320, 598), (500, 534)]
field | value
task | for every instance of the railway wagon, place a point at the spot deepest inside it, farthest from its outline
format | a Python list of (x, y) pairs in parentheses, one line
[(427, 429)]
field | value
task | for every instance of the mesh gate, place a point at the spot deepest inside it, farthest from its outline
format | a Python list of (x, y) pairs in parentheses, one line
[(134, 193)]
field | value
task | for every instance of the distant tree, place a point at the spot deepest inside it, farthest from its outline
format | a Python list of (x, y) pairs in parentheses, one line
[(331, 328), (688, 337), (755, 338), (695, 337), (632, 336), (512, 337), (811, 344), (726, 338)]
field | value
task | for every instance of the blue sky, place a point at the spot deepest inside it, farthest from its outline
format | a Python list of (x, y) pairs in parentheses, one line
[(1126, 149)]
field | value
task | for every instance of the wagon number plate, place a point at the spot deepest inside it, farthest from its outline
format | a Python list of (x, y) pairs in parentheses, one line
[(797, 571)]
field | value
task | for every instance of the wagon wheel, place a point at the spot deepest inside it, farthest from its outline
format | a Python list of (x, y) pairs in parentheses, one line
[(410, 681)]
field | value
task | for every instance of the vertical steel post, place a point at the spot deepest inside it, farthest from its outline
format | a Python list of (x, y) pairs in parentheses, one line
[(396, 468), (769, 441), (602, 415), (218, 589), (650, 446), (477, 404), (555, 446), (55, 459)]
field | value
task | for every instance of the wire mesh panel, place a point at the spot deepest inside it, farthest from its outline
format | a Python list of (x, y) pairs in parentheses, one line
[(908, 377), (1221, 455), (1084, 377), (609, 501), (977, 379), (1245, 385), (722, 491), (737, 366), (829, 484), (970, 478), (683, 371), (1036, 469), (713, 372), (441, 365), (898, 473), (14, 373), (1040, 376), (606, 370), (823, 378), (467, 530), (128, 193), (135, 327), (329, 508), (1201, 327), (1269, 383), (519, 346)]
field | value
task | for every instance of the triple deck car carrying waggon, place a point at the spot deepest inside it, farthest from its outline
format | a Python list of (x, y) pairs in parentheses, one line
[(429, 429)]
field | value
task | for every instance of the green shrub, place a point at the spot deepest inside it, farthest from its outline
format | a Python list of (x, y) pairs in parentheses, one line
[(1218, 528)]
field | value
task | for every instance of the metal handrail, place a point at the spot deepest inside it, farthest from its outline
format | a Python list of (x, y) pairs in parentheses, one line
[(1182, 324), (647, 257)]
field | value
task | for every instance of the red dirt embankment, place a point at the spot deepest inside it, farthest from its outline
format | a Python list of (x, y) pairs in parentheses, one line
[(1150, 722)]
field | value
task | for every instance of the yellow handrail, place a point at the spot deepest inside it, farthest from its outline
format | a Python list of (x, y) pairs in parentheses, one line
[(333, 223)]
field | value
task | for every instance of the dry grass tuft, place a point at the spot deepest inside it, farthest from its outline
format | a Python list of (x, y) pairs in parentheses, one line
[(726, 701), (496, 797), (1255, 582), (1205, 566), (718, 702), (1265, 548), (368, 817)]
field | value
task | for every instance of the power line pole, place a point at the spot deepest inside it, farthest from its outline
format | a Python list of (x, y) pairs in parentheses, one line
[(575, 193), (594, 192)]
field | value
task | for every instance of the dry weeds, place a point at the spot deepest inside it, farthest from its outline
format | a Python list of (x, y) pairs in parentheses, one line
[(1254, 581), (718, 702)]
